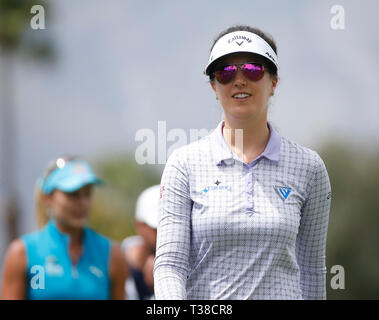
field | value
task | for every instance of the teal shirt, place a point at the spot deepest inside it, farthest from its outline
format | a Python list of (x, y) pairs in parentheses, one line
[(50, 274)]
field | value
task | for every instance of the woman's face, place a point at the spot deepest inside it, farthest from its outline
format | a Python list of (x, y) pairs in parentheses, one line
[(148, 234), (254, 106), (71, 209)]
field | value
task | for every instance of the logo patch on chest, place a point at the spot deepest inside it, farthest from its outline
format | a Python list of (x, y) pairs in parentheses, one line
[(283, 192), (52, 267), (217, 186), (96, 271)]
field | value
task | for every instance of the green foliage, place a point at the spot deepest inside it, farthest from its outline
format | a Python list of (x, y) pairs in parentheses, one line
[(354, 220), (16, 35), (114, 209), (14, 19)]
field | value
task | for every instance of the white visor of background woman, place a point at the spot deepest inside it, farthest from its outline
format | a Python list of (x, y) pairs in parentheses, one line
[(240, 41), (147, 207)]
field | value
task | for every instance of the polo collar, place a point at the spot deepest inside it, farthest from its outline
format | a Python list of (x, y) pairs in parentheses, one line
[(61, 236), (223, 154)]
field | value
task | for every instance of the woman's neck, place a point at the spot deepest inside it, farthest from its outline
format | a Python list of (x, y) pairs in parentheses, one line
[(246, 138), (75, 234)]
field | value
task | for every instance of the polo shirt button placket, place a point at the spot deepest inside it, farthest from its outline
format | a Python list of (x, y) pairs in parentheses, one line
[(252, 190), (249, 185)]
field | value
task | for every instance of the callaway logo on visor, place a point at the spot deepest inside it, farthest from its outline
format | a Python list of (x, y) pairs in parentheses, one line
[(241, 41)]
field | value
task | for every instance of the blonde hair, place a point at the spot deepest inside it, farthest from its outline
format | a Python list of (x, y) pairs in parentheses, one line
[(42, 211)]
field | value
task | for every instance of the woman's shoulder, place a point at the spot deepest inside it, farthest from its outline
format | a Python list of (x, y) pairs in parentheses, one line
[(192, 152), (200, 143), (293, 150), (33, 236), (15, 256), (97, 237), (16, 248)]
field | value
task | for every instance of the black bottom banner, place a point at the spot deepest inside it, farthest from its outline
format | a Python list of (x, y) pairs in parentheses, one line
[(167, 310)]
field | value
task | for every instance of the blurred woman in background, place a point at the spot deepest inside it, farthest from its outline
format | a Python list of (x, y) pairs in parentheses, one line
[(140, 249), (65, 259)]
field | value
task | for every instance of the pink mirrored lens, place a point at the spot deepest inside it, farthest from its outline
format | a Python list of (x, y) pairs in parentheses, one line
[(253, 72), (226, 74)]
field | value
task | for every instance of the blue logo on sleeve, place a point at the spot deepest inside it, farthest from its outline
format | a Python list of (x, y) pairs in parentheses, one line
[(283, 192)]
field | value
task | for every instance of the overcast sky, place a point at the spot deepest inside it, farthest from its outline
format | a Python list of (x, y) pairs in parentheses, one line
[(124, 65)]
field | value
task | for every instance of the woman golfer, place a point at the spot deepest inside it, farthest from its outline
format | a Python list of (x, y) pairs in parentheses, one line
[(244, 211), (65, 259)]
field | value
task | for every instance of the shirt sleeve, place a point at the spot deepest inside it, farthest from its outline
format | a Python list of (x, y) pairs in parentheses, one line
[(173, 232), (311, 239)]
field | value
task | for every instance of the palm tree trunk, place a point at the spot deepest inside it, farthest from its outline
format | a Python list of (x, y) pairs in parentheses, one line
[(8, 182)]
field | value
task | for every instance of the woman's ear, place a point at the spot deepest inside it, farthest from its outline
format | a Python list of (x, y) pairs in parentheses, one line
[(47, 200), (214, 88), (213, 85), (274, 83)]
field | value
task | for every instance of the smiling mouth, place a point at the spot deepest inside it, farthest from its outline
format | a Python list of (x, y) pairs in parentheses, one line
[(241, 95)]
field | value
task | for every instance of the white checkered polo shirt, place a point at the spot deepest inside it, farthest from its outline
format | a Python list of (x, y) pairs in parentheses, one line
[(229, 230)]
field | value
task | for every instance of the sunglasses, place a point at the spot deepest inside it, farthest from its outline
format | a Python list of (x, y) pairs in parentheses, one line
[(251, 70)]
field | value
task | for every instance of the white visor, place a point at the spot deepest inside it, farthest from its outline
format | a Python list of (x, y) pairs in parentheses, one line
[(147, 206), (241, 41)]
